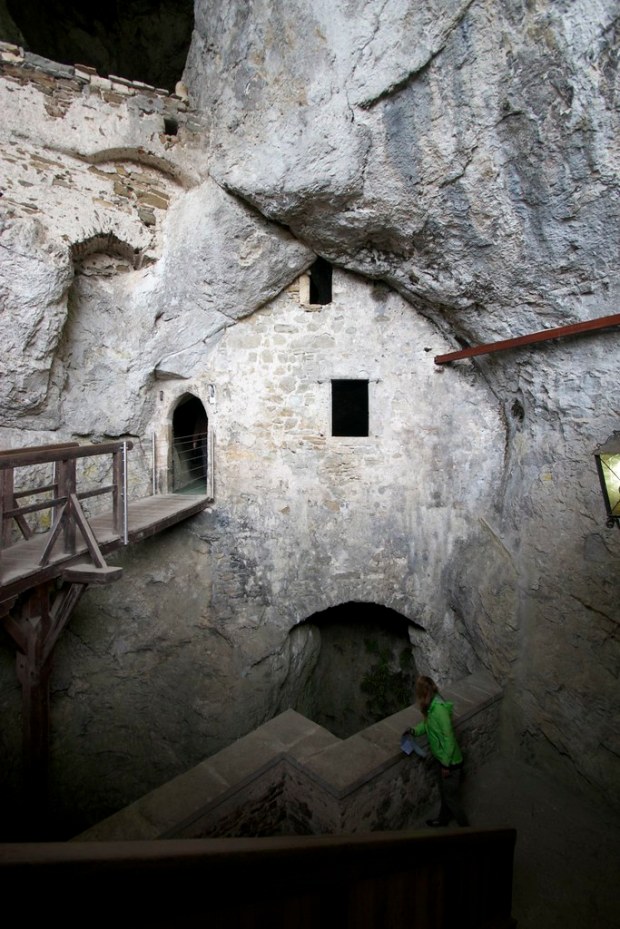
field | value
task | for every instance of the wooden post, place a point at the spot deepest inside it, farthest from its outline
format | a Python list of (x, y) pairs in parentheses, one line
[(33, 675), (35, 631), (6, 503), (66, 484)]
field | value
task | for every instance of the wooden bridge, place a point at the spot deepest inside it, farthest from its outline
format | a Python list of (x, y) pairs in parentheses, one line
[(43, 574)]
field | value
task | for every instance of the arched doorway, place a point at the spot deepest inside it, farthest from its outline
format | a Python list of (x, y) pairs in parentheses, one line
[(365, 668), (190, 458)]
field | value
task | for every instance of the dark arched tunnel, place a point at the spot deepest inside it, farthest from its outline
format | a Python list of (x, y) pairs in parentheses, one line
[(365, 667)]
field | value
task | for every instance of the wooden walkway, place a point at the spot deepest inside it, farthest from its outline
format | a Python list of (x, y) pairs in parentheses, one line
[(43, 576), (20, 567)]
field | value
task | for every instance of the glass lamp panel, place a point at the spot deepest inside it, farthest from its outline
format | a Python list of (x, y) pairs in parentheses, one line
[(610, 469)]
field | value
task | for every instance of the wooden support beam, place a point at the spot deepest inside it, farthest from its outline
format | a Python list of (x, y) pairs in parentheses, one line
[(88, 574), (61, 612), (545, 335), (41, 617), (89, 536), (59, 521), (33, 675)]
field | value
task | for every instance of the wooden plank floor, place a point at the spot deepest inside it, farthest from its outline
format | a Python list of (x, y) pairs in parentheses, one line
[(19, 564)]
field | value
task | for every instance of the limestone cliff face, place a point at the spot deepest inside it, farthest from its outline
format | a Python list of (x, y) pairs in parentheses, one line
[(466, 153), (458, 163)]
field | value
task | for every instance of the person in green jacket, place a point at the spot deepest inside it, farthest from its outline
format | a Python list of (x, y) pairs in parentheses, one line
[(437, 726)]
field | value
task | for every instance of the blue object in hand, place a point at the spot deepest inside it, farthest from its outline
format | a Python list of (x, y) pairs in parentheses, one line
[(408, 745)]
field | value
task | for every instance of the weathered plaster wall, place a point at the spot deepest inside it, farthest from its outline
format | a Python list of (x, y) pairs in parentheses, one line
[(464, 157), (318, 520)]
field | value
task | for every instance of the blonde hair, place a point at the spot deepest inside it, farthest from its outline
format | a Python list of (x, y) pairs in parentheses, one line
[(425, 690)]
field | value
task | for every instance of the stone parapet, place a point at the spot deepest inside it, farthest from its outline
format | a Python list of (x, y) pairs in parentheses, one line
[(291, 776), (65, 82)]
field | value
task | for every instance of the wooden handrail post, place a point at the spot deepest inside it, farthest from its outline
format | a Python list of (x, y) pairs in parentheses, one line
[(8, 506), (65, 477), (6, 502)]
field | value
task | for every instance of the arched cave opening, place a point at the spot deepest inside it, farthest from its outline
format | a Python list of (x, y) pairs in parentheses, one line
[(140, 40), (365, 668), (190, 427)]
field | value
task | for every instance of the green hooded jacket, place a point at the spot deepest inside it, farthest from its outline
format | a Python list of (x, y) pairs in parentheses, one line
[(438, 727)]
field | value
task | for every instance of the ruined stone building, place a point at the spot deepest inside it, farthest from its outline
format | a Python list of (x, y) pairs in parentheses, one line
[(269, 240)]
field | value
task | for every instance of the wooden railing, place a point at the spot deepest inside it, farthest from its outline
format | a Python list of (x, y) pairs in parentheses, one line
[(64, 498), (46, 567), (388, 880)]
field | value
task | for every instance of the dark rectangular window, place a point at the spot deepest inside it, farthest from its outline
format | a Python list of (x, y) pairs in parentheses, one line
[(320, 282), (350, 407)]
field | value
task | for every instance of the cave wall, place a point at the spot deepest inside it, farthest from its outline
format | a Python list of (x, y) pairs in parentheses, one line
[(467, 154), (459, 164), (464, 151)]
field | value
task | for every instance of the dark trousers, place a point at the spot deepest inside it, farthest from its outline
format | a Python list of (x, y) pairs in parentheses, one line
[(450, 793)]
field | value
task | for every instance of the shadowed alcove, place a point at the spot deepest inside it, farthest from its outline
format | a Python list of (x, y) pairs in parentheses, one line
[(365, 668), (140, 40)]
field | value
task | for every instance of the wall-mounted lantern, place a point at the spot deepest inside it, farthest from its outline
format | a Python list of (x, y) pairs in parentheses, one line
[(608, 464)]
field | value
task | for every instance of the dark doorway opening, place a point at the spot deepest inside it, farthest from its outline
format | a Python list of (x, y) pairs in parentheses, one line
[(350, 407), (140, 40), (365, 668), (190, 433), (320, 282)]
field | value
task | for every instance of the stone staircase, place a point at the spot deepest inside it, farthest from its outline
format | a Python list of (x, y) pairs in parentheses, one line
[(293, 777)]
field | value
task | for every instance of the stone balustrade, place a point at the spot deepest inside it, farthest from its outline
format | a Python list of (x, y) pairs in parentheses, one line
[(291, 776)]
